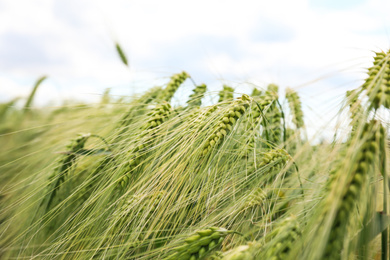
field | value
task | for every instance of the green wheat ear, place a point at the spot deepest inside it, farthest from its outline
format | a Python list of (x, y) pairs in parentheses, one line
[(355, 108), (197, 95), (174, 83), (277, 246), (282, 239), (243, 252), (226, 94), (377, 84), (33, 92), (61, 171), (271, 119), (139, 106), (256, 93), (159, 114), (121, 54), (349, 178), (226, 124), (295, 107), (200, 244)]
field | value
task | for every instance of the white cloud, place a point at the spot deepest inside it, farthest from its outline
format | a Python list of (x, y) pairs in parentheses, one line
[(306, 43)]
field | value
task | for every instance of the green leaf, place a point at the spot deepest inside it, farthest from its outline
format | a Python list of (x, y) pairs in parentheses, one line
[(376, 226)]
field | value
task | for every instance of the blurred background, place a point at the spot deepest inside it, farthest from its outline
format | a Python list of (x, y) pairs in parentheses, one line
[(319, 47)]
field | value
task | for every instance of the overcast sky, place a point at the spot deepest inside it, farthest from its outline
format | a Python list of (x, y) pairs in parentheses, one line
[(319, 47)]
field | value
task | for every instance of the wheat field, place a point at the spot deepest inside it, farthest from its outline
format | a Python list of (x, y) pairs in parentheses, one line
[(142, 178)]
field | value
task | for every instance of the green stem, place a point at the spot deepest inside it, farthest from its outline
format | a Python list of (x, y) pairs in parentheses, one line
[(284, 123), (385, 233)]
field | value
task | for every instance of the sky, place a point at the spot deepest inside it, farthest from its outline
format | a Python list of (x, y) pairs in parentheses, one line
[(318, 47)]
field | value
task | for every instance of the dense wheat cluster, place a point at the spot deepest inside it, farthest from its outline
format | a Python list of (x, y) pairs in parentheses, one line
[(142, 178)]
